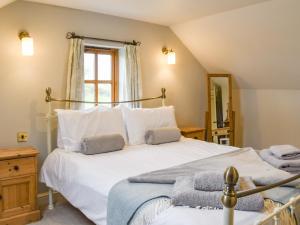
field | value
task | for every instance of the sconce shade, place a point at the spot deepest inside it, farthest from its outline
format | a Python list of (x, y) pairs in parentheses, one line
[(171, 57), (26, 44), (170, 54)]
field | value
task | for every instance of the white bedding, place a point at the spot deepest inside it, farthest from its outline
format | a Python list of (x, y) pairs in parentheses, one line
[(191, 216), (92, 176)]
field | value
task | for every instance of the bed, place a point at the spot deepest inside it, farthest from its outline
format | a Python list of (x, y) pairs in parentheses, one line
[(86, 180), (75, 173)]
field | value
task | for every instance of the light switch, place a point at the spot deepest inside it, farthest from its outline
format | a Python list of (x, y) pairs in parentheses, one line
[(22, 136)]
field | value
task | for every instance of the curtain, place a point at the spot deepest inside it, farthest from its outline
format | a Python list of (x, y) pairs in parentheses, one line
[(131, 88), (122, 75), (75, 77)]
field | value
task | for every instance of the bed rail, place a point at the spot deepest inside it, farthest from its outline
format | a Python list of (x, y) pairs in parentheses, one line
[(49, 116), (49, 98), (230, 197)]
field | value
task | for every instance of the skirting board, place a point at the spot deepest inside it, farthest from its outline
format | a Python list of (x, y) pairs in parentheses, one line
[(43, 198), (45, 194)]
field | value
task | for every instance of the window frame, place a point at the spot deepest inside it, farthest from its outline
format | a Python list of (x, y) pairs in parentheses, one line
[(115, 71)]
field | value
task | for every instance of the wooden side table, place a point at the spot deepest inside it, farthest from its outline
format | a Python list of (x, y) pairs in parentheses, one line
[(18, 186), (193, 132)]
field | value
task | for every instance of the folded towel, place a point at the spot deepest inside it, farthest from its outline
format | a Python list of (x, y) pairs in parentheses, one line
[(184, 194), (210, 181), (287, 165), (285, 151)]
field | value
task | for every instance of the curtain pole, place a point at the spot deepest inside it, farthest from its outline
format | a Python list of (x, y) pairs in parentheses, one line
[(71, 35)]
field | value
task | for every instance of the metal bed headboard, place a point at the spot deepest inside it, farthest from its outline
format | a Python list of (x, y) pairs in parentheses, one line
[(49, 99)]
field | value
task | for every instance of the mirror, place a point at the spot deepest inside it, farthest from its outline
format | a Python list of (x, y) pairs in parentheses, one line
[(220, 118)]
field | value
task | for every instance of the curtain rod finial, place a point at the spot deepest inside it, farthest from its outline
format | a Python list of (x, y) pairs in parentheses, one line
[(70, 35)]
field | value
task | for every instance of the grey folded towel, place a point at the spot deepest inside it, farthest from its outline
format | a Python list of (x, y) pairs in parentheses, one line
[(162, 135), (102, 144), (210, 181), (287, 165), (285, 152), (184, 194)]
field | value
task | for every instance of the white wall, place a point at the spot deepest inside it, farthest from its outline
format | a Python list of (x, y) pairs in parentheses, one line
[(259, 46), (24, 79), (270, 117)]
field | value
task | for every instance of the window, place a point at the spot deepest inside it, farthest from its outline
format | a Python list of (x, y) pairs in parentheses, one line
[(100, 74)]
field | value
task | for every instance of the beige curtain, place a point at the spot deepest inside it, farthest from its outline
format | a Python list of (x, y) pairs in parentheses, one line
[(75, 78), (133, 79)]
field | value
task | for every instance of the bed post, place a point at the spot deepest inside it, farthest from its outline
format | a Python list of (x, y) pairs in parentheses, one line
[(163, 96), (49, 139), (229, 198)]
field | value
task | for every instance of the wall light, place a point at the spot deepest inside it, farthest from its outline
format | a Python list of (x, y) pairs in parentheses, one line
[(170, 54), (26, 43)]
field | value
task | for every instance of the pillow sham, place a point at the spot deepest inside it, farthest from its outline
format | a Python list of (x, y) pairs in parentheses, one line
[(162, 135), (139, 121), (76, 124), (60, 143), (102, 144)]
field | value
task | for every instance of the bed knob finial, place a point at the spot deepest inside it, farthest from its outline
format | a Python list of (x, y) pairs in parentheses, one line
[(231, 177), (48, 94)]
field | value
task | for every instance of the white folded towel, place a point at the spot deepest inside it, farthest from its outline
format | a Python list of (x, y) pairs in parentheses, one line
[(291, 165), (285, 152)]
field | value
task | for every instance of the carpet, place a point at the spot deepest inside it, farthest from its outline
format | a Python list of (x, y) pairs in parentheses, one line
[(63, 214)]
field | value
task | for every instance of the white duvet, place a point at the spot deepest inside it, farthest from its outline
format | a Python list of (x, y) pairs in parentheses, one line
[(85, 180)]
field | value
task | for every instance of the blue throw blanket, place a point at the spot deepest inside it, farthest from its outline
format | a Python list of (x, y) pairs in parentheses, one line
[(125, 198)]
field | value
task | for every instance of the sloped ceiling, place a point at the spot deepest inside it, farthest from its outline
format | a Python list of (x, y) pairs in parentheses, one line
[(258, 44), (164, 12)]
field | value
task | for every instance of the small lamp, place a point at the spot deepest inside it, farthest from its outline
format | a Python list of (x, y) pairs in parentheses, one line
[(26, 43), (170, 54)]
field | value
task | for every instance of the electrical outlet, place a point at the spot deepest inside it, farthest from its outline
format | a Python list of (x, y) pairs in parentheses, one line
[(22, 136)]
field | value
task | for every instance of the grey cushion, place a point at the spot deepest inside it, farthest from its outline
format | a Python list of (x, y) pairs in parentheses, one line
[(102, 144), (162, 135)]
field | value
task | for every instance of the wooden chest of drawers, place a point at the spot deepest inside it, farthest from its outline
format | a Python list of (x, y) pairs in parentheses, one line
[(18, 186)]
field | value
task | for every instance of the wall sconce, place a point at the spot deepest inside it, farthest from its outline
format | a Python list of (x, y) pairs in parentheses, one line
[(170, 54), (26, 43)]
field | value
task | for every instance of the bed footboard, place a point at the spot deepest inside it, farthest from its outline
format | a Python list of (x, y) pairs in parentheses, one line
[(230, 198)]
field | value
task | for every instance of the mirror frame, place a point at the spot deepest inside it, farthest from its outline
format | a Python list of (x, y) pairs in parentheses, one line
[(230, 111)]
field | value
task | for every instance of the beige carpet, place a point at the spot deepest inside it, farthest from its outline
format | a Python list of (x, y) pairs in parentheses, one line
[(63, 214)]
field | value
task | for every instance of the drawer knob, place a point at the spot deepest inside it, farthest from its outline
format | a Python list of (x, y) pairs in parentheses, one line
[(16, 168)]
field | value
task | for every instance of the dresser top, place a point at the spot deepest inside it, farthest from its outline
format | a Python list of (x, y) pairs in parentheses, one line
[(18, 152), (186, 130)]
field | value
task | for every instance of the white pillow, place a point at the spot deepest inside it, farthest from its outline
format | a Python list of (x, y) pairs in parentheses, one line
[(75, 125), (139, 121)]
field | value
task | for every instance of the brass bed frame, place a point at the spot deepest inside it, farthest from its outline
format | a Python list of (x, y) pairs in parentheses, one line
[(231, 175)]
